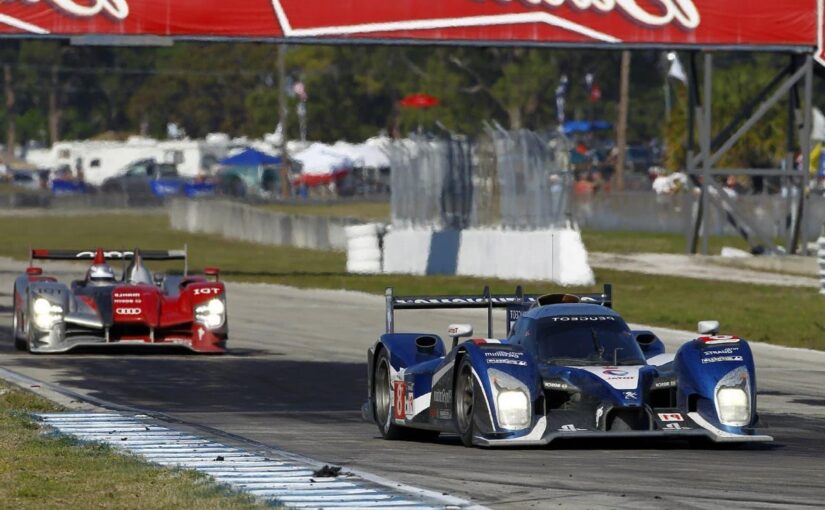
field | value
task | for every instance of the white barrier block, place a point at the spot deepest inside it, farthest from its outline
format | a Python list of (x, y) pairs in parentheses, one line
[(573, 266), (407, 251)]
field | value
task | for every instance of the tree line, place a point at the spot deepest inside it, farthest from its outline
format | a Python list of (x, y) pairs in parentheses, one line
[(54, 91)]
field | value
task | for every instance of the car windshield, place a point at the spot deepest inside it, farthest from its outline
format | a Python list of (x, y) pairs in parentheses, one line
[(587, 340)]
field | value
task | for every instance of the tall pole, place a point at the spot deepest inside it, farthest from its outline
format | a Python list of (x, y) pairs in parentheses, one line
[(282, 106), (621, 127), (11, 118), (704, 143)]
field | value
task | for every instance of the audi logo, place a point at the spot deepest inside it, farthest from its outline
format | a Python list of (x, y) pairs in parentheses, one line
[(128, 311)]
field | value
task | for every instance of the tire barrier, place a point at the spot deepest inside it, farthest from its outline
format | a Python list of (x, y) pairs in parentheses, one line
[(364, 248)]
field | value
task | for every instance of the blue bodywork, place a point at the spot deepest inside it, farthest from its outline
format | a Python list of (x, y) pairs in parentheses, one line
[(633, 390)]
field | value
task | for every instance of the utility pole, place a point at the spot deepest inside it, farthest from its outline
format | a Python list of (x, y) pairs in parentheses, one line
[(282, 106), (621, 125), (11, 118)]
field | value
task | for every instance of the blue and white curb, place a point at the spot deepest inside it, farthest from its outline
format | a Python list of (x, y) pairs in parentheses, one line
[(283, 481)]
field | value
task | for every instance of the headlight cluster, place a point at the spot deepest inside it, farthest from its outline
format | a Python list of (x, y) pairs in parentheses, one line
[(733, 398), (45, 313), (512, 400), (211, 314)]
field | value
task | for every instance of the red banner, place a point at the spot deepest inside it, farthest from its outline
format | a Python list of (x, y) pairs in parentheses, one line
[(702, 23)]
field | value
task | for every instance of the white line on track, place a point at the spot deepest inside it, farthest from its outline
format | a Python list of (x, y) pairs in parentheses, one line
[(284, 481)]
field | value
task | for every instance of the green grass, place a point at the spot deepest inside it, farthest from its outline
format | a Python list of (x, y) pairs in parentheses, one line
[(652, 242), (367, 211), (781, 315), (39, 471)]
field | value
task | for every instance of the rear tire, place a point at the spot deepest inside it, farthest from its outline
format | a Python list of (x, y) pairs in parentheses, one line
[(464, 397), (383, 394), (19, 340)]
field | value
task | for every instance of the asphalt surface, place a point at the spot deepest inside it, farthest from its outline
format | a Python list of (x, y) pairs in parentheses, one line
[(295, 379)]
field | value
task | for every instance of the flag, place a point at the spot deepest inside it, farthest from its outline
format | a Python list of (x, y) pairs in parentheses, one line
[(676, 69)]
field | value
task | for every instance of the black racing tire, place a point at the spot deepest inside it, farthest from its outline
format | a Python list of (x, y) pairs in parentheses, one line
[(464, 397), (383, 396), (19, 340)]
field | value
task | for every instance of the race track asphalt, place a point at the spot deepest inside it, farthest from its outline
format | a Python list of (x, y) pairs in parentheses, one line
[(295, 379)]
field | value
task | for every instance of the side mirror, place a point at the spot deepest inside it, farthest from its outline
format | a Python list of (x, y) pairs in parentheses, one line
[(708, 327), (34, 271), (457, 331), (212, 271)]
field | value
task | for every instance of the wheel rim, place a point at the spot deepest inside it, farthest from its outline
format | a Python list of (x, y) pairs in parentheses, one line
[(382, 391), (464, 398)]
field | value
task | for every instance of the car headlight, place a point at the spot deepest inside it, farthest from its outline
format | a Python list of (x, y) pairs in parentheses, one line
[(212, 314), (45, 313), (733, 406), (512, 400), (513, 409)]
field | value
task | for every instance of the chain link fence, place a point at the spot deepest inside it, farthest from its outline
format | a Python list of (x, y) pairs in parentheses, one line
[(513, 179)]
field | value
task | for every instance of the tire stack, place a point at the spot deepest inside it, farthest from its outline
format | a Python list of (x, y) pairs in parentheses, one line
[(364, 248)]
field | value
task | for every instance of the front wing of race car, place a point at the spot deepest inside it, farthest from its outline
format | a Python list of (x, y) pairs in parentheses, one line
[(689, 425)]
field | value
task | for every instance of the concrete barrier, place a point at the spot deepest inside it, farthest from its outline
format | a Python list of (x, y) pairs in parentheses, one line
[(246, 223), (556, 255)]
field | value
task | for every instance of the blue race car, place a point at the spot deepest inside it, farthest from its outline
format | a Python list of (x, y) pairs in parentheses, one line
[(569, 368)]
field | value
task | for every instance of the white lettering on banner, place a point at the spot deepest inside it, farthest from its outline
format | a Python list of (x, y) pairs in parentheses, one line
[(118, 9), (657, 13)]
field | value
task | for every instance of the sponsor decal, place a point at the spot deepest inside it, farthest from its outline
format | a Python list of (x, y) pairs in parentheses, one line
[(568, 318), (409, 402), (505, 358), (569, 428), (399, 399), (630, 395), (106, 254), (615, 372), (671, 417), (445, 414), (443, 396), (664, 383), (128, 311), (500, 361), (717, 352), (718, 339), (718, 359), (675, 426), (209, 291), (556, 385)]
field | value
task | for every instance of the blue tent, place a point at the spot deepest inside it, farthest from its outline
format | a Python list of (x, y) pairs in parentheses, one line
[(585, 126), (251, 157)]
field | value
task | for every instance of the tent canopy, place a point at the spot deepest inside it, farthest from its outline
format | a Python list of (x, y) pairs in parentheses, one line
[(585, 126), (251, 157)]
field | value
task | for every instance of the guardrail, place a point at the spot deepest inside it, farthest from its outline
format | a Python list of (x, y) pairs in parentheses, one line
[(239, 221)]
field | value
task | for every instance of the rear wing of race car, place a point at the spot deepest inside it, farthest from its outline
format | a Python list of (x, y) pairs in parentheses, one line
[(44, 254), (516, 303)]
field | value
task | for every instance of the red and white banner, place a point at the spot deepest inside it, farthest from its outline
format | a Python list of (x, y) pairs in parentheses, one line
[(702, 23)]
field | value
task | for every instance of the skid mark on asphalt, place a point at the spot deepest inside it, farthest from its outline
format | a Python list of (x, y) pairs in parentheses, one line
[(284, 481)]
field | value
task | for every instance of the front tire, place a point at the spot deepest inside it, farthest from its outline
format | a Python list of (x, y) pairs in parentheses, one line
[(384, 395), (464, 397)]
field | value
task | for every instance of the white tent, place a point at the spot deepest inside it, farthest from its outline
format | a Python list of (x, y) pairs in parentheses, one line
[(363, 155), (321, 164)]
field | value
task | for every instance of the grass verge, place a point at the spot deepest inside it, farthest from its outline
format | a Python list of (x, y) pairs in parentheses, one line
[(781, 315), (652, 242), (39, 471)]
